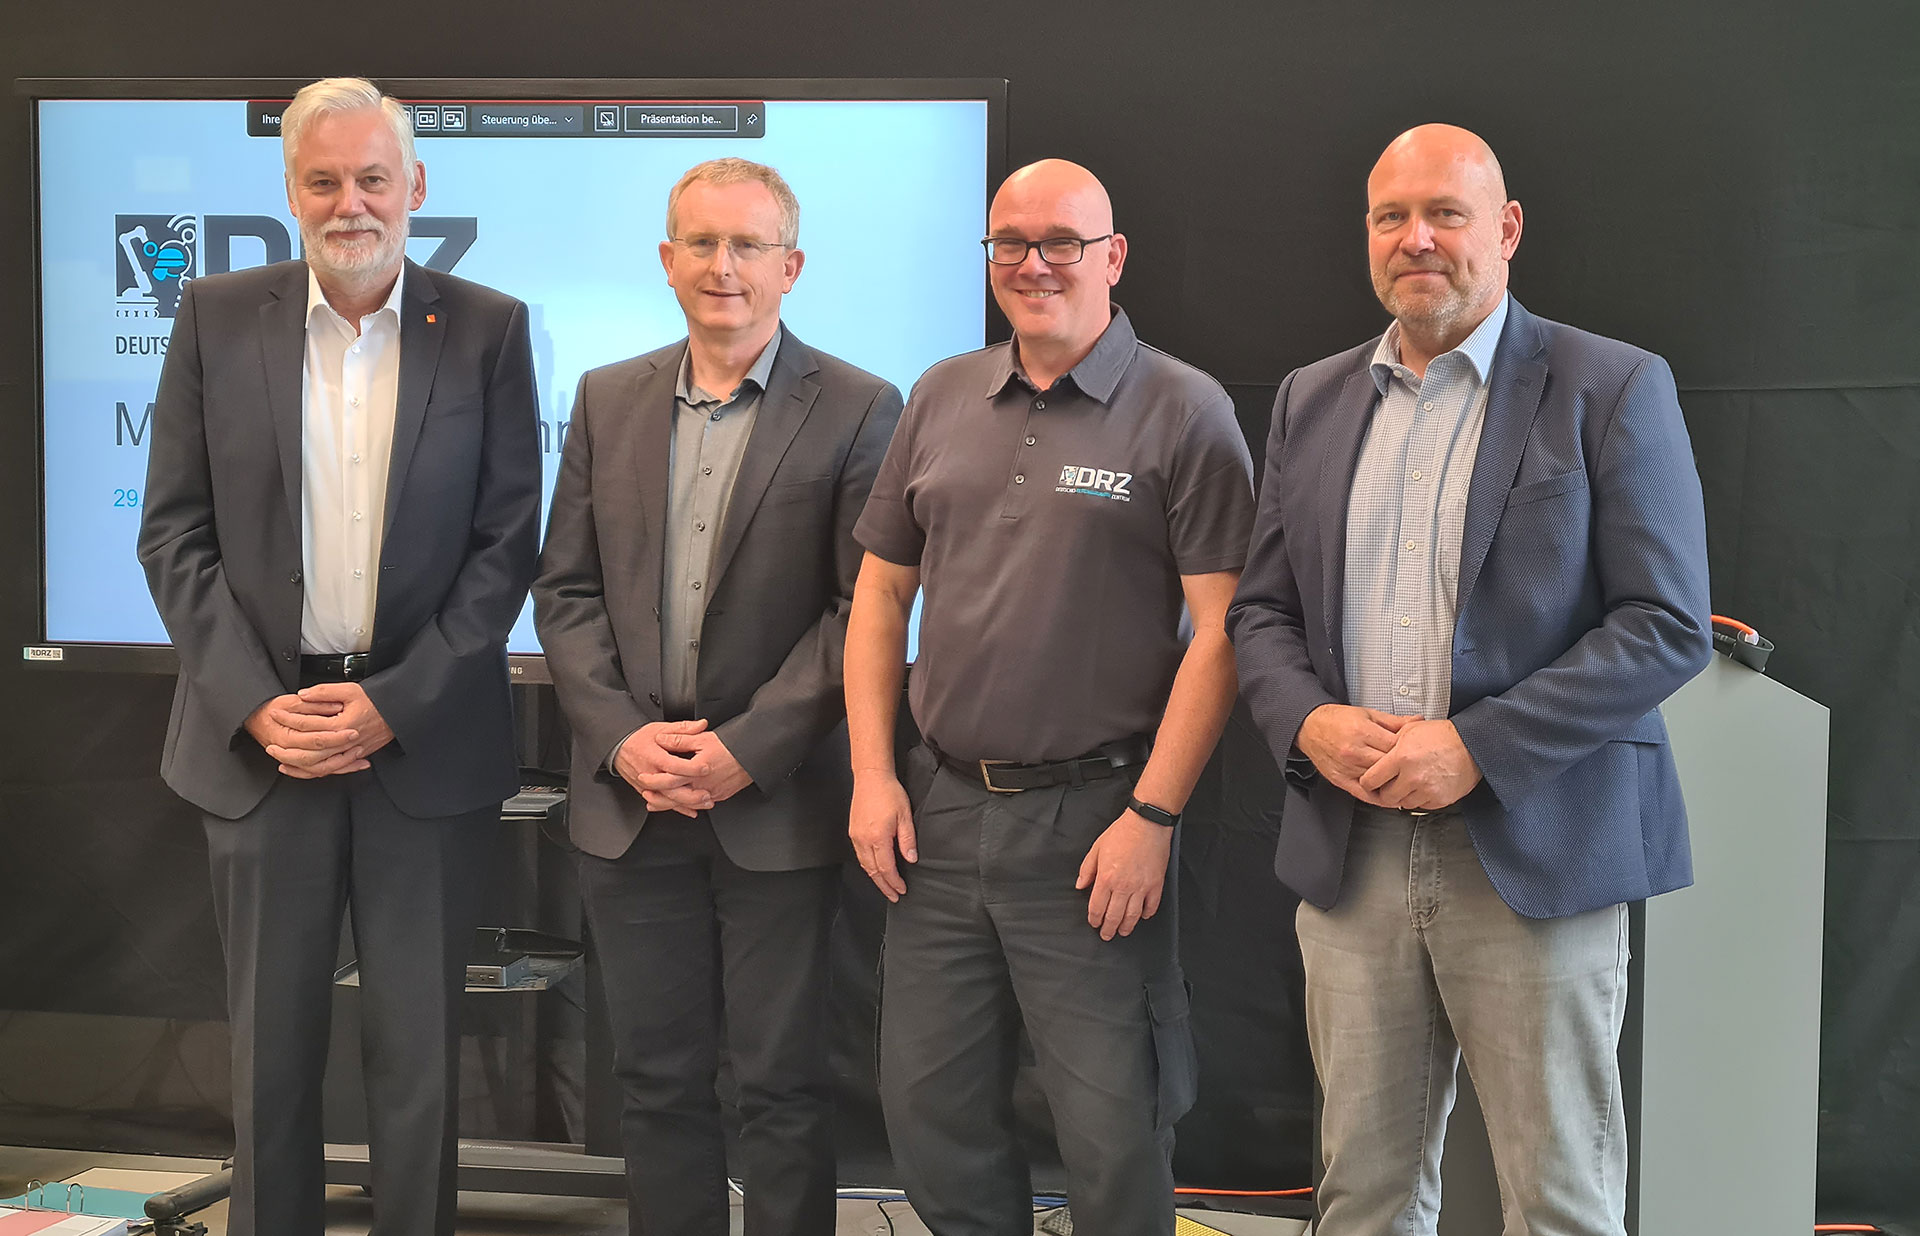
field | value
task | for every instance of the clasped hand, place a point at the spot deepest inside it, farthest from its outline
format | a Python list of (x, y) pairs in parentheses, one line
[(1388, 761), (680, 766), (320, 731)]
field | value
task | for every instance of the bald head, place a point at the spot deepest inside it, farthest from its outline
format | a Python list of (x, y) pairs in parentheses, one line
[(1443, 149), (1440, 232), (1058, 308), (1060, 187)]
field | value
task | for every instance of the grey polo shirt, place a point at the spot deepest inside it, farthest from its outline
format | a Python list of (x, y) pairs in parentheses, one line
[(709, 438), (1051, 529)]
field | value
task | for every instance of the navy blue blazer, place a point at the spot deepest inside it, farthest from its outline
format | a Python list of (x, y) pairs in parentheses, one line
[(1582, 605)]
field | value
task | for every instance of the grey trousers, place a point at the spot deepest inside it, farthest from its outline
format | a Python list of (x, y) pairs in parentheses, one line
[(696, 950), (992, 937), (1420, 962), (282, 874)]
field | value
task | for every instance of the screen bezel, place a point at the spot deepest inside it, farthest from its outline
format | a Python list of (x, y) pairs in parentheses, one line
[(522, 667)]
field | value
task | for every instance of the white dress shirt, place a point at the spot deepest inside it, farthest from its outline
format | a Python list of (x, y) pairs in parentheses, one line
[(348, 390)]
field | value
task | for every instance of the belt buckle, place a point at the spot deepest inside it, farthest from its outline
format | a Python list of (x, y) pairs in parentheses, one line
[(353, 665), (986, 776)]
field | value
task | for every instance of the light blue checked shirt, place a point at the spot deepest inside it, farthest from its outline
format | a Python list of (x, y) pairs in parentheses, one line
[(1404, 519)]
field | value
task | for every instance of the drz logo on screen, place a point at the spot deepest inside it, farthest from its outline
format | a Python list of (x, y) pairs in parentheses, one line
[(156, 256), (1095, 483)]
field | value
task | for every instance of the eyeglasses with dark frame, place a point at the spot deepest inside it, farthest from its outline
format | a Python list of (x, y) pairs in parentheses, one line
[(1054, 250), (738, 247)]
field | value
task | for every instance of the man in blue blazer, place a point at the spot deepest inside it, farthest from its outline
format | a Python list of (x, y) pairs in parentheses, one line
[(1479, 567)]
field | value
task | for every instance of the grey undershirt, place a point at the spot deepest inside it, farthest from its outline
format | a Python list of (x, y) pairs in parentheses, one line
[(709, 438)]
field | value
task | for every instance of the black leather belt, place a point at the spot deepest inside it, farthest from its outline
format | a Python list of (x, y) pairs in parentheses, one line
[(1011, 777), (336, 666)]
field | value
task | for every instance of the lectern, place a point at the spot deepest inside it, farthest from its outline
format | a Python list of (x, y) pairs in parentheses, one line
[(1720, 1054)]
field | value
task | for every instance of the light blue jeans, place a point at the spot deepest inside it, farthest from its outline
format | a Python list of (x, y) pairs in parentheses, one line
[(1421, 962)]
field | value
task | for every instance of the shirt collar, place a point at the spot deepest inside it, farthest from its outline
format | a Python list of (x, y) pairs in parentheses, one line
[(759, 375), (1477, 348), (1099, 372), (317, 298)]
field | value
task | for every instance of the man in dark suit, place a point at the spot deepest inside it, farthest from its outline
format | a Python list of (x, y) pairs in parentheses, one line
[(341, 523), (692, 603), (1479, 567)]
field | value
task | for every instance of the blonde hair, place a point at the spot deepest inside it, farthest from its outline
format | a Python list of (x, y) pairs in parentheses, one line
[(732, 171)]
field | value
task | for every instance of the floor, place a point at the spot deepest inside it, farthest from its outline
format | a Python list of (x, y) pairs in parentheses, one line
[(349, 1211)]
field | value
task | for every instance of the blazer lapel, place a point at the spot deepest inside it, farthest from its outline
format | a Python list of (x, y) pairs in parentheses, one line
[(283, 346), (783, 409), (423, 330), (652, 398), (1514, 388), (1350, 420)]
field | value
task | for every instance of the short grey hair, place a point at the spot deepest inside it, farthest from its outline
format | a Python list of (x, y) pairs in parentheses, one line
[(732, 171), (333, 96)]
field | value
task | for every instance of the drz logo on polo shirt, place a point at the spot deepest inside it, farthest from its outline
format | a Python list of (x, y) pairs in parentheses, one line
[(1095, 483)]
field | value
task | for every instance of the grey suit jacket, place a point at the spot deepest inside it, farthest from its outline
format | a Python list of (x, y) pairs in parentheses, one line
[(776, 619), (221, 543), (1582, 604)]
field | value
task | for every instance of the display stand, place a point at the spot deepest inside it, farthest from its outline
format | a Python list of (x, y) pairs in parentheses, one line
[(1720, 1053)]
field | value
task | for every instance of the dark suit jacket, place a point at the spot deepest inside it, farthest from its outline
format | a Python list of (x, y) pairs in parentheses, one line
[(1582, 605), (776, 619), (221, 543)]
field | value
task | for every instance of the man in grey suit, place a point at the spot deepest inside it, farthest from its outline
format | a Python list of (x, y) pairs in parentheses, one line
[(692, 603), (1479, 566), (341, 522)]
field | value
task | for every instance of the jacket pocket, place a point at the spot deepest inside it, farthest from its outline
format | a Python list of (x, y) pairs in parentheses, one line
[(1551, 487)]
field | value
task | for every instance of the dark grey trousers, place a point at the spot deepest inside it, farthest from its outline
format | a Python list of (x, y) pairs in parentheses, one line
[(696, 950), (282, 875), (991, 937)]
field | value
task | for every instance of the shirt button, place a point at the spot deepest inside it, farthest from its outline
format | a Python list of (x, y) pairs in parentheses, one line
[(1030, 440), (1019, 480), (356, 457), (1405, 620), (1428, 405), (1415, 474), (693, 643), (696, 585), (1412, 545), (715, 416), (358, 573), (359, 630), (355, 349), (356, 517), (1039, 405), (354, 400), (706, 472), (699, 525), (1404, 691)]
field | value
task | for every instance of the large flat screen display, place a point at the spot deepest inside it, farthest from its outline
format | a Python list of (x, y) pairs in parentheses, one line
[(555, 195)]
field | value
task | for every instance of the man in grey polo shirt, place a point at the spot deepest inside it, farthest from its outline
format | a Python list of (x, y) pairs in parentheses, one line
[(1060, 498)]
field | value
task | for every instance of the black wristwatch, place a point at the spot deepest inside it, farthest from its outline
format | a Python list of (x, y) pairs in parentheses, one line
[(1158, 815)]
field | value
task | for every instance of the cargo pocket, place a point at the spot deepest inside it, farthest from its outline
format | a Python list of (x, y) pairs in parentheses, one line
[(1173, 1052)]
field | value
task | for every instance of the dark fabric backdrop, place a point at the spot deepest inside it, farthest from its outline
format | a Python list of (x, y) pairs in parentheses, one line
[(1736, 186)]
